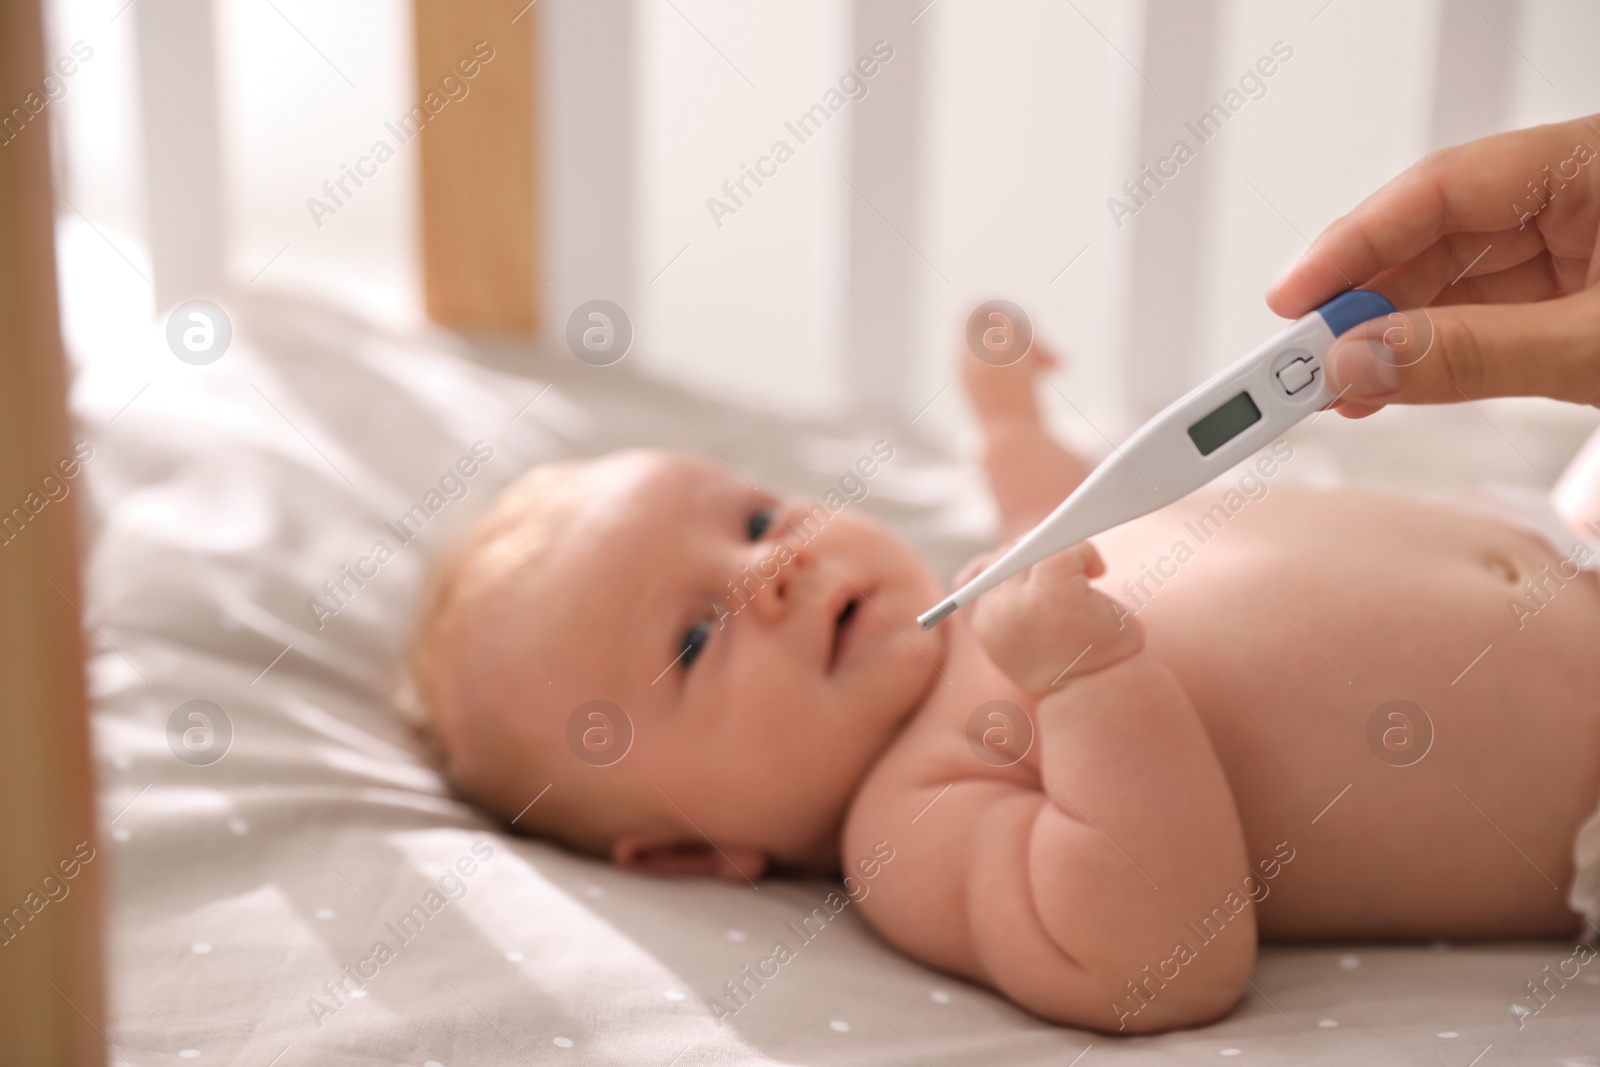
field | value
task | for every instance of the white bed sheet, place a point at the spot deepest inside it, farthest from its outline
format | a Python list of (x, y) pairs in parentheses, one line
[(220, 499)]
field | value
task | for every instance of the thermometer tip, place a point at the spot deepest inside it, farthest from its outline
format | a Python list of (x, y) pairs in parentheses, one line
[(934, 616)]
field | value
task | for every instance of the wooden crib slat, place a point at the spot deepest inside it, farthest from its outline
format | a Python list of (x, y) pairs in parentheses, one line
[(52, 1001), (478, 188)]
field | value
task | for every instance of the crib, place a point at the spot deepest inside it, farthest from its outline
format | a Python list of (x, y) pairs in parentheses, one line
[(231, 907)]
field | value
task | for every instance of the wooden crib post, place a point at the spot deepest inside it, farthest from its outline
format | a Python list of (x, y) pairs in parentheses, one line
[(478, 195), (52, 1001)]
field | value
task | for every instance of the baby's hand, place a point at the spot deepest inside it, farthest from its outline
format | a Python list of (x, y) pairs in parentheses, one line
[(1006, 393), (1047, 624)]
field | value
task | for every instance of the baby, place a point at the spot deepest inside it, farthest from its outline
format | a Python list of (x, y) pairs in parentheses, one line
[(1297, 715)]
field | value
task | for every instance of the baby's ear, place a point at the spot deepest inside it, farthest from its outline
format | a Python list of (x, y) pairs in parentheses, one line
[(677, 858)]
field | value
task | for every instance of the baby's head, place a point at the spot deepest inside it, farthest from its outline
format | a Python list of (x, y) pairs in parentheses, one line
[(762, 650)]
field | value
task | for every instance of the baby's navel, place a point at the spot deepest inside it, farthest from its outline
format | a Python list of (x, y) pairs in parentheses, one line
[(1503, 568)]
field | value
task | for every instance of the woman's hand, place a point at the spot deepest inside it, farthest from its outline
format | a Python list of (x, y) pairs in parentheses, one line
[(1492, 245)]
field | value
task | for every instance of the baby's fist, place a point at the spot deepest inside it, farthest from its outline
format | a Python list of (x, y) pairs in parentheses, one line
[(1048, 624)]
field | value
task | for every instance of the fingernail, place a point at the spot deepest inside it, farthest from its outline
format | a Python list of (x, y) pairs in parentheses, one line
[(1362, 367)]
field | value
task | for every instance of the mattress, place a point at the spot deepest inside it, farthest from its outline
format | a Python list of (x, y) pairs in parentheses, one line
[(291, 881)]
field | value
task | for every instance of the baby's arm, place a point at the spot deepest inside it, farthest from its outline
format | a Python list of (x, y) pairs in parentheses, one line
[(1029, 471), (1069, 893)]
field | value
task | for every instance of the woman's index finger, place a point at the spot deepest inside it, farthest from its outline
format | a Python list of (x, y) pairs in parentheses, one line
[(1470, 188)]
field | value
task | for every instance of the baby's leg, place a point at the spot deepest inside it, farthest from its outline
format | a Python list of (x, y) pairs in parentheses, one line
[(1029, 471), (1577, 493)]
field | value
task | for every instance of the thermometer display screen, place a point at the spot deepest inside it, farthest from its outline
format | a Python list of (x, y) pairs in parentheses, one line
[(1224, 424)]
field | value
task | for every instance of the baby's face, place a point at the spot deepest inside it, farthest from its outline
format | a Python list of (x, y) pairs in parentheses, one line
[(765, 650)]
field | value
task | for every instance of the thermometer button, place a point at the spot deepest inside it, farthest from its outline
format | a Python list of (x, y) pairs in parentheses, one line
[(1296, 371)]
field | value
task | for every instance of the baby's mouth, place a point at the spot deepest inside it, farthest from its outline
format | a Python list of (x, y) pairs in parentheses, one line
[(841, 624)]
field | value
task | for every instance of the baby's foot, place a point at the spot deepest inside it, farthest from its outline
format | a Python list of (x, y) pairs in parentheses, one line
[(1006, 392), (1047, 625)]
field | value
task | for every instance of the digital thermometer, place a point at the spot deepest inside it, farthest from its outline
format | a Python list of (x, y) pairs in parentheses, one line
[(1196, 438)]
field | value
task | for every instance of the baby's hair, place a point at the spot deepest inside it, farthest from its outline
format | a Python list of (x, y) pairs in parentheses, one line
[(462, 592), (494, 606)]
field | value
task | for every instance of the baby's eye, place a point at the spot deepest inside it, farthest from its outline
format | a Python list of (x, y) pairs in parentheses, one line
[(694, 642), (758, 524)]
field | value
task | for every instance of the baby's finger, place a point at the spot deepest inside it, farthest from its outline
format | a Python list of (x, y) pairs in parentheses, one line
[(1082, 560), (1053, 624), (975, 566)]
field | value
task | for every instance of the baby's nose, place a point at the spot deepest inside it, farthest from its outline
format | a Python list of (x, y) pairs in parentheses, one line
[(781, 573)]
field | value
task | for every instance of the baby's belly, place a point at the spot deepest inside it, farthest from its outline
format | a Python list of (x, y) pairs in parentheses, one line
[(1426, 750)]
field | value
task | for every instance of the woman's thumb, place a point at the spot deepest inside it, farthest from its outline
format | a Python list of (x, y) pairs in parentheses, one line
[(1443, 355)]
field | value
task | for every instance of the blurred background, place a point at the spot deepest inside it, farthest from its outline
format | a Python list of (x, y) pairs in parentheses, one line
[(794, 206), (980, 164)]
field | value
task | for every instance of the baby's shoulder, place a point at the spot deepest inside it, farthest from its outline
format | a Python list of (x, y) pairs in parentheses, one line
[(898, 773), (908, 838), (931, 754)]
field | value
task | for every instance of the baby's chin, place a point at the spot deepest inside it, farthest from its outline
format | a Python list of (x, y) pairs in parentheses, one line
[(905, 661), (894, 690)]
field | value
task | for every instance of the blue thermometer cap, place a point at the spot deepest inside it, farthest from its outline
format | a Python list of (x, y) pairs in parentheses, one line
[(1349, 310)]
